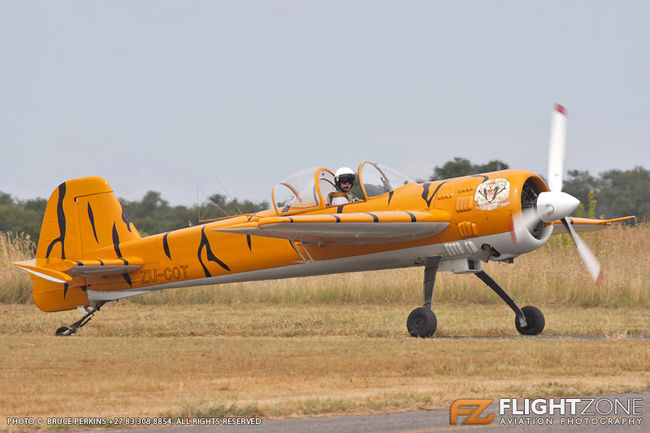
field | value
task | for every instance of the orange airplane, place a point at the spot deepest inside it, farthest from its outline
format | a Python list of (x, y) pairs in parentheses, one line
[(89, 252)]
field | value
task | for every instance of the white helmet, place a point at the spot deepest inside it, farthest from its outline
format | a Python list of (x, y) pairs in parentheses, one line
[(344, 173)]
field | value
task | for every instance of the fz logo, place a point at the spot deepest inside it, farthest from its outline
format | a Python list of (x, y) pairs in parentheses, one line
[(471, 409)]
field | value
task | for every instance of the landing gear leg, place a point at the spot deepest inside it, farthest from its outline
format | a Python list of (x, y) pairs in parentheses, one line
[(90, 312), (529, 320), (422, 322)]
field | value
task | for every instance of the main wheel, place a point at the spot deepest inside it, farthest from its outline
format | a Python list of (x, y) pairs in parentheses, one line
[(421, 323), (534, 321)]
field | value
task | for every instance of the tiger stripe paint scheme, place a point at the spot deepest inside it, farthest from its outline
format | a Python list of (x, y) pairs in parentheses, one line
[(89, 251)]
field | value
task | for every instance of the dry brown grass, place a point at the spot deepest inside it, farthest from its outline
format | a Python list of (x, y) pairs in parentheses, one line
[(351, 320), (553, 274), (279, 377), (283, 360), (332, 345), (15, 284)]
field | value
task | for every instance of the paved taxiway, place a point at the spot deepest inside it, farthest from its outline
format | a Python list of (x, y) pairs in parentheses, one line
[(414, 422)]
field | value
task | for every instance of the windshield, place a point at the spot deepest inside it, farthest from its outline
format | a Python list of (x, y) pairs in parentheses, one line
[(309, 188), (377, 179), (305, 189)]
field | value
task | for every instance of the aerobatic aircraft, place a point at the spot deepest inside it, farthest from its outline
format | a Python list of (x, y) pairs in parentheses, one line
[(90, 253)]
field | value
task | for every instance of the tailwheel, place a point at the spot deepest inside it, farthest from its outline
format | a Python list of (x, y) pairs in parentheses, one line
[(421, 322), (534, 321), (90, 311), (63, 331)]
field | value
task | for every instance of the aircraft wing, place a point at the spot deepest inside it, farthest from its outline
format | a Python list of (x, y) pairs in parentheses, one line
[(348, 228), (585, 224)]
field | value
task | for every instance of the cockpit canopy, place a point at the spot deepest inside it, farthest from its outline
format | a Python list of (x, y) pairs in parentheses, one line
[(309, 188)]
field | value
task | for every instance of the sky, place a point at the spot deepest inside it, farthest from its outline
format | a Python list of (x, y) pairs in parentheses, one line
[(171, 95)]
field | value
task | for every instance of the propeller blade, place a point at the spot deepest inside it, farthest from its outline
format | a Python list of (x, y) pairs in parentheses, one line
[(592, 263), (523, 222), (550, 206), (556, 148)]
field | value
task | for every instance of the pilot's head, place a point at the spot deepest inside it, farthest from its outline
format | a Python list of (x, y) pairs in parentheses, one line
[(344, 178)]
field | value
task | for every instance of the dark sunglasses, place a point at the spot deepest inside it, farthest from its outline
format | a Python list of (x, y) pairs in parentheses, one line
[(347, 178)]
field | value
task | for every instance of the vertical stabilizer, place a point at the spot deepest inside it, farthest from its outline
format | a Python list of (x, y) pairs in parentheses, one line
[(83, 220)]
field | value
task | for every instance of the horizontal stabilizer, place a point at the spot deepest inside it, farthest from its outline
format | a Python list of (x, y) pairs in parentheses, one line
[(46, 273), (62, 271), (104, 268), (348, 228), (586, 224)]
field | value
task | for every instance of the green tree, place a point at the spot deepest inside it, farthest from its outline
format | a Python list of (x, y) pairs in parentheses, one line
[(463, 167), (579, 184), (153, 215), (6, 199), (625, 193), (216, 207), (21, 216)]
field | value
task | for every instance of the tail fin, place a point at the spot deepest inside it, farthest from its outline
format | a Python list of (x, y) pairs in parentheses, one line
[(83, 220)]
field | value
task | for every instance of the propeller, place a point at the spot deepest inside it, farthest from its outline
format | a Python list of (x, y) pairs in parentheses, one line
[(554, 204)]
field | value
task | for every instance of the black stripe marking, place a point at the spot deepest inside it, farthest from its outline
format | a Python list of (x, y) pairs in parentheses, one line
[(66, 286), (101, 263), (79, 264), (116, 242), (61, 220), (425, 192), (481, 175), (126, 220), (166, 246), (91, 217), (248, 241), (126, 262), (116, 245), (374, 217), (338, 219), (339, 209), (412, 216), (390, 197), (210, 255)]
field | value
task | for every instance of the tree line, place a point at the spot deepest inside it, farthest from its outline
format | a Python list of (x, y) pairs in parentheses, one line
[(150, 215), (612, 193)]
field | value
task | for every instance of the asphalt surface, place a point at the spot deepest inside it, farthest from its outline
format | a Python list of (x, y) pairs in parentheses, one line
[(543, 337), (604, 414)]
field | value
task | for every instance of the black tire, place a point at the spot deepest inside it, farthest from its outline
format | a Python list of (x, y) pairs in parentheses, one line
[(534, 321), (63, 331), (421, 323)]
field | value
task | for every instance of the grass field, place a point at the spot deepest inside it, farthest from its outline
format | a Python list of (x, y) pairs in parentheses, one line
[(333, 345), (286, 360)]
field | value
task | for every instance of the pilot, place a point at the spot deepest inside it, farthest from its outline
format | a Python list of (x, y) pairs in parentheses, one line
[(344, 178)]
